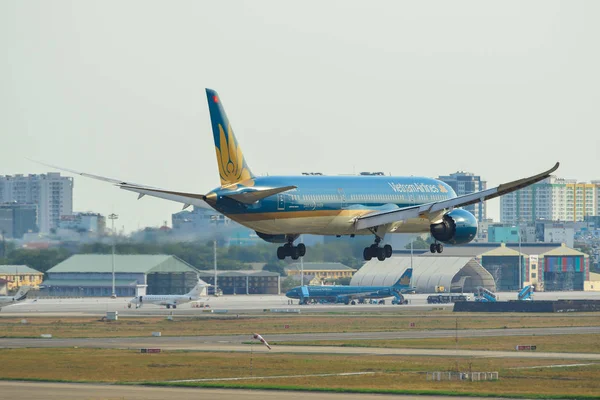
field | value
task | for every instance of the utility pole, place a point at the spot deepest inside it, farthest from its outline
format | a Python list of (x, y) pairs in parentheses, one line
[(112, 218), (520, 260), (301, 266), (215, 263)]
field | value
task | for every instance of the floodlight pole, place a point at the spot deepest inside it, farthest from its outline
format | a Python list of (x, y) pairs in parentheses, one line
[(301, 266), (520, 260), (215, 263), (112, 218)]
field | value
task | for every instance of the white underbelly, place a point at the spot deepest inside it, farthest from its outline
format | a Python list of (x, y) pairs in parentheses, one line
[(340, 224)]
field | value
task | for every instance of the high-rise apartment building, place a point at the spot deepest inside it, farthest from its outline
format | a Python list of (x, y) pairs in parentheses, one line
[(17, 219), (464, 183), (553, 199), (52, 193)]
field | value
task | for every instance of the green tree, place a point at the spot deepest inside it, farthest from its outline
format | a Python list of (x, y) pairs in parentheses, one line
[(420, 243), (278, 267)]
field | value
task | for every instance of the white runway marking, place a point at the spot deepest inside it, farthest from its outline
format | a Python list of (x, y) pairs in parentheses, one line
[(273, 377), (557, 366)]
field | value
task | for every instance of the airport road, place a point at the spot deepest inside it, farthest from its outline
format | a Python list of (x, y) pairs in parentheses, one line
[(238, 304), (71, 391), (192, 342)]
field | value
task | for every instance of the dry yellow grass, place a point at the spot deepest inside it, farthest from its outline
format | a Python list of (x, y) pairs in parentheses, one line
[(212, 325), (588, 343), (391, 372)]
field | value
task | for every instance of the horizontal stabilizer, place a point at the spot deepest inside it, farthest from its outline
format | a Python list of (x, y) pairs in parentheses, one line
[(253, 196)]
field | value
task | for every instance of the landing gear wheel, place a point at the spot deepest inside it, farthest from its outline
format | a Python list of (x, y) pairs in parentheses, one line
[(174, 306), (301, 249), (295, 253), (387, 250), (168, 306), (439, 247), (281, 253), (432, 247), (380, 253), (367, 254)]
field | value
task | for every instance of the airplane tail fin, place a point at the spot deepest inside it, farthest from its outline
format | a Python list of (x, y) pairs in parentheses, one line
[(197, 290), (233, 168), (22, 293), (404, 280)]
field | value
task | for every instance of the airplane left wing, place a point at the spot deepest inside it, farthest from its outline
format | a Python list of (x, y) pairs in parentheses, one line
[(143, 190), (426, 210)]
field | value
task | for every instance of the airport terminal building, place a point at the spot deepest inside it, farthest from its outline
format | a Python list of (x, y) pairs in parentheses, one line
[(546, 266), (91, 275)]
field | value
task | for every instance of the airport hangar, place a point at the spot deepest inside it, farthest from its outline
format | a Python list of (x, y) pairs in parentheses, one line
[(455, 274), (546, 266), (91, 275)]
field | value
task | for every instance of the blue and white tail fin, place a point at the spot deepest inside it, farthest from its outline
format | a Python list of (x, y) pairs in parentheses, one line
[(233, 168), (404, 281)]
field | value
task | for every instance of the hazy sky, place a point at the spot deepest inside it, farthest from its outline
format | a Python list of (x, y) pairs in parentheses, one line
[(116, 88)]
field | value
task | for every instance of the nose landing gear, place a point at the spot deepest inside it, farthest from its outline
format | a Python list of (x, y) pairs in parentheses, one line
[(436, 247)]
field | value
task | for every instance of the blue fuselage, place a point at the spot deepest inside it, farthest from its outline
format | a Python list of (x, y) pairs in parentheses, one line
[(340, 293), (328, 205)]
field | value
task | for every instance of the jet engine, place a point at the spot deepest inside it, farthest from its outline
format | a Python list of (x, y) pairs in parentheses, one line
[(457, 227), (274, 238)]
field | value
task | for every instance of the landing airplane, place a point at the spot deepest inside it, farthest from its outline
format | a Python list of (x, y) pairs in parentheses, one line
[(281, 208), (19, 296), (345, 294), (169, 300)]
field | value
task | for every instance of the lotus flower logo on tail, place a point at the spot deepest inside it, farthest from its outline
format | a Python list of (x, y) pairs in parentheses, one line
[(232, 167)]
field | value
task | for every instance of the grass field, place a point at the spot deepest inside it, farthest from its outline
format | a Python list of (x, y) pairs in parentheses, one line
[(66, 327), (391, 372), (558, 343)]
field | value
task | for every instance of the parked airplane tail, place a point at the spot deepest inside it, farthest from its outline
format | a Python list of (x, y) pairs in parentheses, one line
[(404, 280), (22, 293), (197, 290), (233, 168)]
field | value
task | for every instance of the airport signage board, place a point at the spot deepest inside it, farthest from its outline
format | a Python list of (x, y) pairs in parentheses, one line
[(526, 347), (146, 351)]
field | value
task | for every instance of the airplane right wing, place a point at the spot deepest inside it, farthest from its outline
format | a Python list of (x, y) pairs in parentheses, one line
[(432, 209)]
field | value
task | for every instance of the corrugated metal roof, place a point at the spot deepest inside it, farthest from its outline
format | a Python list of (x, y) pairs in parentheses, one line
[(134, 263), (428, 272), (18, 269), (88, 283), (238, 273), (503, 251), (478, 249), (316, 266), (563, 250)]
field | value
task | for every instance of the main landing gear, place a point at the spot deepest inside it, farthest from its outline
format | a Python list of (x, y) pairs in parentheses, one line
[(375, 251), (436, 247), (289, 250)]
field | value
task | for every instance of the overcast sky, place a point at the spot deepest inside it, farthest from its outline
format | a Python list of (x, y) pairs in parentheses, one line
[(503, 89)]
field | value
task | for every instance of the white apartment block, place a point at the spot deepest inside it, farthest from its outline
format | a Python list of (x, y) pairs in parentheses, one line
[(52, 193), (553, 199)]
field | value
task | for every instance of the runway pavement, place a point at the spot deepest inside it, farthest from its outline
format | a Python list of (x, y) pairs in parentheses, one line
[(233, 344), (238, 304), (193, 342), (72, 391)]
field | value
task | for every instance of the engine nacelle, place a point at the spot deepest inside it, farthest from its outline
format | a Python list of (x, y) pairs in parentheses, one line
[(457, 227), (274, 238)]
